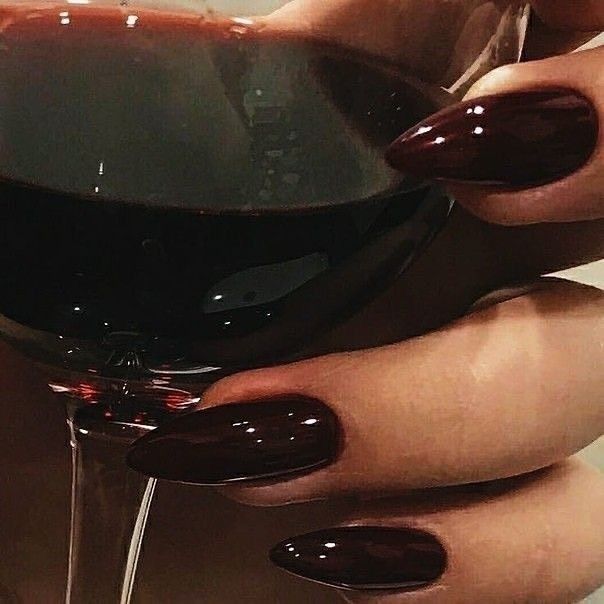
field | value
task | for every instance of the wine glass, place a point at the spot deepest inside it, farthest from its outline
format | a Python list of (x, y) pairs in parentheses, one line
[(190, 189)]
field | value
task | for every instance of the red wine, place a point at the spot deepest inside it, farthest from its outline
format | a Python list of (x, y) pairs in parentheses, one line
[(172, 110), (177, 191)]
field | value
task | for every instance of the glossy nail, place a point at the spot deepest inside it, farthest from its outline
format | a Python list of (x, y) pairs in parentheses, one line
[(240, 441), (518, 139), (364, 557)]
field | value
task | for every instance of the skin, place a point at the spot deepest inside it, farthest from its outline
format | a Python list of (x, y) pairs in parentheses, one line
[(584, 15), (399, 422), (510, 397), (501, 538), (578, 197), (534, 538)]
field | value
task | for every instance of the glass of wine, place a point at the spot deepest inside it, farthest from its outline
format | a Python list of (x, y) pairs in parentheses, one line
[(193, 188)]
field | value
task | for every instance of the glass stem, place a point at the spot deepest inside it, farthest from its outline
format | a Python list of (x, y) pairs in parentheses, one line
[(109, 508)]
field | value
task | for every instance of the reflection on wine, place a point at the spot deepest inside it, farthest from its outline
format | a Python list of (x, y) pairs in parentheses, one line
[(183, 196), (170, 109)]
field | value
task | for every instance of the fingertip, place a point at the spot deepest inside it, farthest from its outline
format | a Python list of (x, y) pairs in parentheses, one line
[(249, 385), (262, 496), (499, 80), (503, 208)]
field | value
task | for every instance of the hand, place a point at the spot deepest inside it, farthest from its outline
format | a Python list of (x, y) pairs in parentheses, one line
[(526, 145), (496, 401)]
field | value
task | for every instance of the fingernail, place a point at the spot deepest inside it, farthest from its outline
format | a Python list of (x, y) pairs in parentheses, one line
[(240, 441), (518, 139), (364, 557)]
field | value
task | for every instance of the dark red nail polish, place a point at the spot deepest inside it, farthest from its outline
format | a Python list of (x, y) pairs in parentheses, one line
[(518, 139), (240, 441), (364, 557)]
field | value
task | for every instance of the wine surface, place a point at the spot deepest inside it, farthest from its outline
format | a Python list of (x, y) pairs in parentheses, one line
[(169, 109)]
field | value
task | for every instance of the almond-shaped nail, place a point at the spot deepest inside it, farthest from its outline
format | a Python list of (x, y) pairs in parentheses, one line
[(518, 139), (240, 441), (364, 557)]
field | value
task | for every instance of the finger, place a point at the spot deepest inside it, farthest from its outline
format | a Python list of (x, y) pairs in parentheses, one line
[(544, 41), (463, 30), (582, 15), (537, 538), (469, 258), (525, 146), (493, 396)]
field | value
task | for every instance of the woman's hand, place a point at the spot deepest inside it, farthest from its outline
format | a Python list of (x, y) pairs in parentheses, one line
[(510, 389), (527, 145), (496, 401)]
